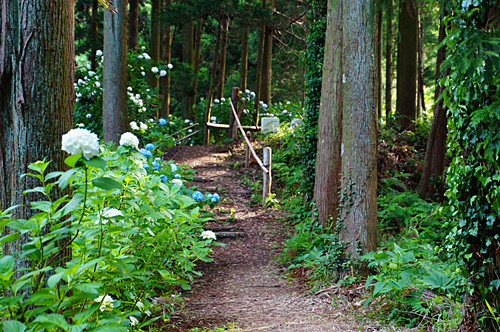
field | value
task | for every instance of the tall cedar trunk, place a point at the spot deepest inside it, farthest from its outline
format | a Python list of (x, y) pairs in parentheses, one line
[(359, 131), (114, 105), (196, 67), (94, 35), (187, 58), (420, 70), (36, 98), (260, 53), (379, 42), (154, 42), (432, 183), (267, 59), (388, 64), (206, 132), (133, 24), (407, 65), (244, 58), (166, 57), (328, 160), (223, 54)]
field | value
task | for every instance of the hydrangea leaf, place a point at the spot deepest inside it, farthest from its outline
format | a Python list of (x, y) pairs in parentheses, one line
[(72, 160), (106, 183), (13, 326), (96, 162)]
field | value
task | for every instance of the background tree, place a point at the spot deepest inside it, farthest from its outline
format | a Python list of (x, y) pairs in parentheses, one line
[(133, 24), (114, 109), (407, 64), (388, 61), (36, 97)]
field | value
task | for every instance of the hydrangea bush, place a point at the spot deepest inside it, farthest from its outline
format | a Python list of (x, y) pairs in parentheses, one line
[(133, 233)]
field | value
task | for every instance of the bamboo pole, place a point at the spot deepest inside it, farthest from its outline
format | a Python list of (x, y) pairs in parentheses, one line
[(247, 153), (266, 177)]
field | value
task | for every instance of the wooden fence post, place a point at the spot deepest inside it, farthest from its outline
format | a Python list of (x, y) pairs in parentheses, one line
[(247, 153), (266, 183), (235, 98)]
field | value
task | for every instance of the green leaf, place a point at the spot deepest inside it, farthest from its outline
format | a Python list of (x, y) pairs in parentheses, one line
[(90, 287), (13, 326), (106, 183), (9, 238), (6, 264), (495, 283), (53, 320), (72, 160), (96, 162), (63, 180), (54, 279)]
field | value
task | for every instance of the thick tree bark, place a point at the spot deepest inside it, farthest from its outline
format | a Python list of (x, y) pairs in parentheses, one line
[(328, 160), (388, 64), (244, 58), (196, 67), (187, 58), (223, 53), (206, 132), (379, 61), (407, 65), (133, 25), (420, 70), (432, 183), (267, 59), (166, 57), (154, 42), (359, 131), (36, 97), (114, 108), (258, 74)]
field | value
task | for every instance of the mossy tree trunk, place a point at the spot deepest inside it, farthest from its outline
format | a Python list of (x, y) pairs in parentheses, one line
[(166, 50), (187, 58), (258, 74), (154, 42), (133, 24), (406, 108), (223, 56), (266, 70), (389, 65), (244, 58), (36, 98), (114, 108), (94, 35), (196, 67)]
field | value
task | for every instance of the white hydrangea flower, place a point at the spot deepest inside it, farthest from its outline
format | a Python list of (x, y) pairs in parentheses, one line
[(163, 73), (143, 47), (154, 70), (208, 235), (146, 56), (91, 73), (98, 84), (81, 125), (252, 94), (80, 81), (98, 53), (88, 116), (106, 302), (144, 126), (151, 120), (170, 66), (245, 111), (171, 123), (177, 181), (143, 109), (288, 103), (143, 73), (134, 126), (213, 118), (223, 99), (133, 321), (129, 88), (216, 101), (190, 130), (140, 57), (110, 213), (129, 139), (247, 91), (78, 141), (186, 121), (88, 66)]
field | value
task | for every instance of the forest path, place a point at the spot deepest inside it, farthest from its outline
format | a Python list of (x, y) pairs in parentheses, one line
[(244, 285)]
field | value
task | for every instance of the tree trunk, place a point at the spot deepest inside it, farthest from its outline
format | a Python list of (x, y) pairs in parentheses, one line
[(165, 80), (258, 74), (94, 35), (114, 108), (206, 132), (154, 42), (432, 183), (266, 73), (133, 25), (187, 58), (420, 71), (36, 60), (379, 61), (328, 160), (196, 67), (388, 64), (223, 53), (407, 65), (358, 213), (244, 58)]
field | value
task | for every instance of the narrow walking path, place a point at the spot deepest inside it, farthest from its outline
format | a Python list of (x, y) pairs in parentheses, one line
[(245, 285)]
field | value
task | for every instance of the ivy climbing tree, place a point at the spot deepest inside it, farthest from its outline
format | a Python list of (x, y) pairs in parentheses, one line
[(472, 93), (314, 63)]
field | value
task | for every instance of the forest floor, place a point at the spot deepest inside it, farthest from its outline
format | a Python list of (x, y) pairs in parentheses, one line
[(245, 288)]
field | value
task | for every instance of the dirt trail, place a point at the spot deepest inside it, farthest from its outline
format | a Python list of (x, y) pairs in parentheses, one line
[(244, 285)]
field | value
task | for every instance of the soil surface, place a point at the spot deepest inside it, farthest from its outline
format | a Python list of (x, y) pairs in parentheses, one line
[(245, 286)]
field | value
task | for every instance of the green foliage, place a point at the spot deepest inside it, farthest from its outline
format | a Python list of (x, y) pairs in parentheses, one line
[(472, 94), (133, 235)]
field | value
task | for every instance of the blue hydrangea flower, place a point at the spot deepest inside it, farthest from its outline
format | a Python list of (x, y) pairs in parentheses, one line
[(215, 197), (210, 196), (162, 122), (178, 176), (173, 167), (158, 159), (163, 178), (197, 196), (156, 165), (150, 146), (146, 153), (145, 166)]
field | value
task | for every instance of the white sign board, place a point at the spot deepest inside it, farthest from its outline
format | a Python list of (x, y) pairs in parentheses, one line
[(270, 125)]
